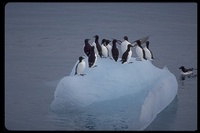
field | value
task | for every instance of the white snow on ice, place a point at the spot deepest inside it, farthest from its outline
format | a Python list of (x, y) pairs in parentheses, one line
[(130, 94)]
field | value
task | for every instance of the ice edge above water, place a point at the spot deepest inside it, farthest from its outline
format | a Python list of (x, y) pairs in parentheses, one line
[(158, 99), (112, 80)]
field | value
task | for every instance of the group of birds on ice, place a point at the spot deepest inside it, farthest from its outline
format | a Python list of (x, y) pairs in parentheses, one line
[(105, 50)]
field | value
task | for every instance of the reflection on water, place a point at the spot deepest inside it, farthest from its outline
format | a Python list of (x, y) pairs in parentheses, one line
[(183, 77), (186, 78), (168, 115), (172, 116), (84, 120), (110, 115)]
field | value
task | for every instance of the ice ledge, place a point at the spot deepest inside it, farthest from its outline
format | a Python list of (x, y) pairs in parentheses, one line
[(150, 88), (158, 99)]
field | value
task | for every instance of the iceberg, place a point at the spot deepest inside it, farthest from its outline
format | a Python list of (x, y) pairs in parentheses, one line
[(116, 96)]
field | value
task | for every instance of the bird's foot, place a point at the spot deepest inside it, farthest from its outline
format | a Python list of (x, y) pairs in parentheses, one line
[(94, 66), (138, 59)]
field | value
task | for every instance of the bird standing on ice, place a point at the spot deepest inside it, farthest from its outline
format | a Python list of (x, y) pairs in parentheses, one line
[(127, 54), (87, 47), (139, 50), (92, 58), (104, 49), (80, 66), (114, 50), (124, 44), (148, 53), (109, 47), (98, 49)]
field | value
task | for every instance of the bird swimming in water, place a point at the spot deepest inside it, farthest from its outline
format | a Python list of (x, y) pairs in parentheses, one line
[(185, 71)]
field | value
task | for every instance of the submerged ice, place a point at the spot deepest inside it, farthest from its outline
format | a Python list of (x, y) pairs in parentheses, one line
[(115, 96)]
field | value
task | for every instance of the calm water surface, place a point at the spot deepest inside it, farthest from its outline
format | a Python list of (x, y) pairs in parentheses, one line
[(44, 40)]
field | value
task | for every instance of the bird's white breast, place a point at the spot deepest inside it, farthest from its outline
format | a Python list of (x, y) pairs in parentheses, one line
[(187, 73), (109, 50), (104, 51), (81, 67), (129, 55), (139, 52), (124, 46), (95, 48), (95, 60), (147, 53)]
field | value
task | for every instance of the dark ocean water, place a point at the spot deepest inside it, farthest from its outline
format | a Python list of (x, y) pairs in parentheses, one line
[(44, 40)]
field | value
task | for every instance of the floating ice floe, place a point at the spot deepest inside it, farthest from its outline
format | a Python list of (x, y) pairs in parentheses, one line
[(117, 96)]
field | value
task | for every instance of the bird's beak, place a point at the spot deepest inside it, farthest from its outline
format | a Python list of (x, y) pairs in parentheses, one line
[(134, 45), (133, 42), (119, 42)]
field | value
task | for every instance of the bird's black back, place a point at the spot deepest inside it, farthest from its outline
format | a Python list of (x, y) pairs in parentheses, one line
[(98, 46), (186, 70), (87, 47), (91, 58), (124, 56), (139, 44), (115, 51), (147, 45)]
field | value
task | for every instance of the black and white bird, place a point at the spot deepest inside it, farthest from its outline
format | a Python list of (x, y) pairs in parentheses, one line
[(109, 47), (139, 50), (148, 53), (104, 49), (185, 71), (98, 49), (80, 67), (124, 44), (87, 47), (92, 58), (127, 54), (114, 50)]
